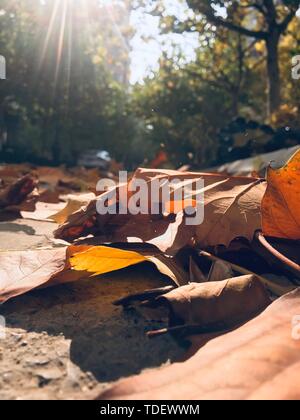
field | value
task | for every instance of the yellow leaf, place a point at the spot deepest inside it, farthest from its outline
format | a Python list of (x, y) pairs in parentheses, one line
[(97, 260), (101, 260)]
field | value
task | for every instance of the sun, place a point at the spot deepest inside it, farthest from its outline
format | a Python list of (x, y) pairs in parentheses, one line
[(63, 14), (64, 20)]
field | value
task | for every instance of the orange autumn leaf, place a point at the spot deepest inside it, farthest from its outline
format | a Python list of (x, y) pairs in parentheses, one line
[(280, 205), (159, 160), (176, 206)]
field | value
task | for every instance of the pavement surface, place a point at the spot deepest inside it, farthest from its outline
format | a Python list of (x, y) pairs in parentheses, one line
[(70, 341)]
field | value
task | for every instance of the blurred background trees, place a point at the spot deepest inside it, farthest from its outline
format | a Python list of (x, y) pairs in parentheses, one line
[(68, 82)]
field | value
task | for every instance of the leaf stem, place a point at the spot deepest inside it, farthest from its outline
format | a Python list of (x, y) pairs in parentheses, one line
[(277, 289)]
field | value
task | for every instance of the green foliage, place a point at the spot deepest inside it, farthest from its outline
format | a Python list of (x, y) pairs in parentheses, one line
[(67, 87), (182, 114), (186, 106)]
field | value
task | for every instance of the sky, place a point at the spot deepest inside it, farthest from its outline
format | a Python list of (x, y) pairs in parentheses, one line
[(145, 54)]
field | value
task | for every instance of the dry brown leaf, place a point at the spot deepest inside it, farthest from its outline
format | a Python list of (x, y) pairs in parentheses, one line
[(220, 270), (280, 205), (11, 173), (21, 195), (51, 176), (257, 361), (74, 203), (27, 270), (195, 273), (232, 209), (22, 271), (48, 196), (214, 306)]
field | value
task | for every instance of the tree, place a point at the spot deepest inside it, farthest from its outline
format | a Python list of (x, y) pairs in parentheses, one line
[(179, 113), (66, 89), (259, 20)]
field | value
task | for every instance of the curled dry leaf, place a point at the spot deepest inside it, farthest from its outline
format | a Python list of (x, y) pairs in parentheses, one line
[(277, 287), (214, 306), (18, 195), (260, 360), (220, 270), (231, 207), (280, 205)]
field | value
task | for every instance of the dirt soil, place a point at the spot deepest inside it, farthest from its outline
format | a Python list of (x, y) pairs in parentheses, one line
[(70, 342)]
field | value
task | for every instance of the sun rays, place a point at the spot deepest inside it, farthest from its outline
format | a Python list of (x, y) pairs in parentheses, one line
[(64, 15), (63, 18)]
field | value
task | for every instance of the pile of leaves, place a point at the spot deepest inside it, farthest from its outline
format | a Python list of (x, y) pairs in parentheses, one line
[(220, 274)]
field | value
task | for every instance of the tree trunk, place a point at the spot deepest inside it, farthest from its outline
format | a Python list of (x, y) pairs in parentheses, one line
[(274, 83)]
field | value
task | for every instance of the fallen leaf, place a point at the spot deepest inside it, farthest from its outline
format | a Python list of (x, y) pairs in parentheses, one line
[(214, 306), (100, 260), (231, 206), (257, 164), (259, 361), (11, 173), (27, 270), (196, 274), (48, 196), (280, 205), (220, 270), (51, 176), (74, 203), (72, 185), (16, 195), (278, 288), (22, 271)]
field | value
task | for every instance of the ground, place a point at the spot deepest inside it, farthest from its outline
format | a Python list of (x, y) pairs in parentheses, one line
[(70, 341)]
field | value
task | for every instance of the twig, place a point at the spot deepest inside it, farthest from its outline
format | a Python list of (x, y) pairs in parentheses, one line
[(285, 260), (277, 289)]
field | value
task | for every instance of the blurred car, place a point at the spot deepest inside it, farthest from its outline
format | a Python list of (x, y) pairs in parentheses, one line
[(95, 159)]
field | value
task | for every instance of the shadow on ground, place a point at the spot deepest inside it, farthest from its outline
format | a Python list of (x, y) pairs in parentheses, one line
[(104, 340), (13, 227)]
